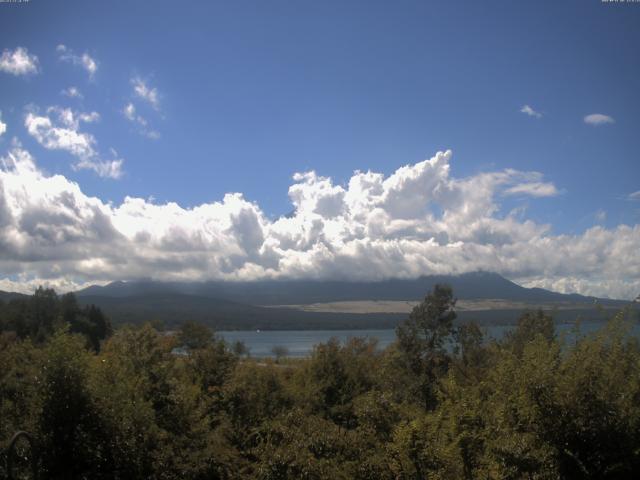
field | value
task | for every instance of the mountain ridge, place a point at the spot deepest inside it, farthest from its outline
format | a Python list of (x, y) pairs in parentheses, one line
[(265, 304), (474, 285)]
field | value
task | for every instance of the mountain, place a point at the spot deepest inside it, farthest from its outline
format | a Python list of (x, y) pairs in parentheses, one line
[(171, 309), (8, 296), (261, 304), (468, 286), (486, 298)]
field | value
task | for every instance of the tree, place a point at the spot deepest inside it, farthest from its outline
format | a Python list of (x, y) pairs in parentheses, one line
[(154, 413), (38, 316), (212, 365), (70, 430), (42, 312), (335, 375), (194, 335), (254, 394), (423, 340), (279, 351), (530, 325), (89, 321), (20, 368), (472, 355), (240, 348)]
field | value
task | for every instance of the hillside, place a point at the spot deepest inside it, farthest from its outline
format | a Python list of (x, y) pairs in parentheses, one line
[(477, 285), (486, 298), (171, 309), (299, 304)]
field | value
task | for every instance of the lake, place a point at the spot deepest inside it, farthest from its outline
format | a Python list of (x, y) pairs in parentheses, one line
[(299, 343)]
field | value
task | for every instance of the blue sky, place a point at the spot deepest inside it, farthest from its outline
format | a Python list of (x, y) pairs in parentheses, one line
[(240, 95)]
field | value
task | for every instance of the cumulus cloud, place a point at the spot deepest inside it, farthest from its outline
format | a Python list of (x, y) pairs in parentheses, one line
[(72, 92), (59, 129), (419, 220), (600, 215), (89, 64), (597, 119), (146, 93), (3, 126), (18, 62), (527, 110)]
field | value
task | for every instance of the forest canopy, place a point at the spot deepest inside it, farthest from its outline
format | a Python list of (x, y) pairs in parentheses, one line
[(442, 402)]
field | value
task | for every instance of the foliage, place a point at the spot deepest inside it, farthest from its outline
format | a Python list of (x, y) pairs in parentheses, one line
[(280, 351), (194, 335), (423, 340), (38, 316), (440, 403), (530, 325)]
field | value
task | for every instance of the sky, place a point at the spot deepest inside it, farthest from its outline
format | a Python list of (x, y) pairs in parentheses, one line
[(356, 140)]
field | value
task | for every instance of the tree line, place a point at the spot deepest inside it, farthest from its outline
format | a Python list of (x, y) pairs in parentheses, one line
[(442, 402)]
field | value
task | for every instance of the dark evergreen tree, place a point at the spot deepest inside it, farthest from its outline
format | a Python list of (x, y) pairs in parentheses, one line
[(424, 339)]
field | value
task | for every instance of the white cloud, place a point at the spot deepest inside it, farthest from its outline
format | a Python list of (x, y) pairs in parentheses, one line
[(60, 134), (59, 129), (18, 62), (23, 284), (111, 168), (130, 113), (600, 215), (146, 93), (634, 195), (104, 168), (151, 134), (534, 189), (596, 119), (419, 220), (72, 92), (89, 64), (3, 126), (527, 110)]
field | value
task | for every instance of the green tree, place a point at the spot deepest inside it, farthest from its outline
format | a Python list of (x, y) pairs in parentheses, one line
[(330, 381), (591, 418), (240, 348), (296, 445), (280, 352), (423, 340), (20, 368), (194, 335), (255, 393), (154, 413), (42, 313), (530, 325), (69, 431)]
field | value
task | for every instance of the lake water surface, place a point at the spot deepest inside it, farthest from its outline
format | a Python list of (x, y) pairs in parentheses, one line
[(299, 343)]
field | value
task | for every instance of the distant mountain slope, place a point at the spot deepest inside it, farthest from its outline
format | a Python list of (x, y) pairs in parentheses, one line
[(241, 305), (8, 296), (479, 285), (254, 305), (171, 309)]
